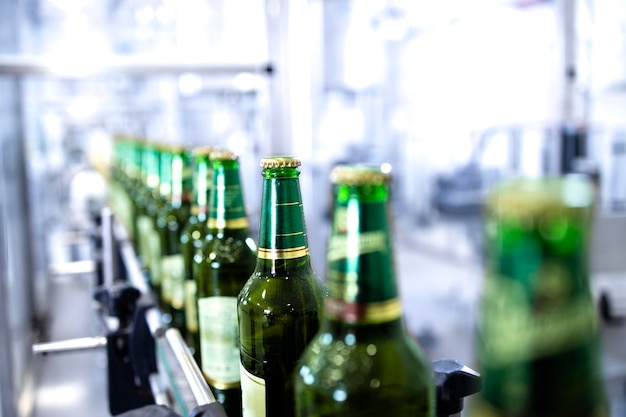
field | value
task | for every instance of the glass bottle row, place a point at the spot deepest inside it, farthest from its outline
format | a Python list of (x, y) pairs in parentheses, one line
[(273, 340)]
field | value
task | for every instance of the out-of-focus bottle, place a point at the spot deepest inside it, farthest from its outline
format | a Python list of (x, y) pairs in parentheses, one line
[(192, 239), (280, 307), (132, 186), (123, 181), (170, 222), (229, 259), (146, 204), (538, 338), (363, 362)]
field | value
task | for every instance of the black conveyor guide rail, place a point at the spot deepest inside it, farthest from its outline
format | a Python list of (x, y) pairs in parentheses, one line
[(184, 378), (175, 367), (128, 343)]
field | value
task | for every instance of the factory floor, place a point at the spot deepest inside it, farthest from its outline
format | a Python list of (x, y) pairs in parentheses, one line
[(440, 280)]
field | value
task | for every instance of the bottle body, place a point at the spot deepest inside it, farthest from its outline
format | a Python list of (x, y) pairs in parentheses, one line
[(147, 204), (228, 258), (279, 307), (538, 335), (192, 240), (171, 220), (362, 362)]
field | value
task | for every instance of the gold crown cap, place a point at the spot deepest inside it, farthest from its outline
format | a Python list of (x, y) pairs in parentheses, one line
[(361, 174), (280, 162), (222, 155), (203, 150), (537, 196)]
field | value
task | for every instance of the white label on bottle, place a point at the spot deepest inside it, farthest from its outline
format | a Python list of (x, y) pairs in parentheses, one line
[(172, 271), (191, 310), (144, 232), (154, 248), (252, 394), (219, 339)]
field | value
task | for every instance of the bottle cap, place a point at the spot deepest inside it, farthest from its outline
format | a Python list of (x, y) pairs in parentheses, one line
[(361, 174), (203, 150), (538, 196), (222, 155), (280, 162), (176, 147)]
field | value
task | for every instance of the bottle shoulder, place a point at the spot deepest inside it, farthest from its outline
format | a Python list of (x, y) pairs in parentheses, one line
[(268, 292), (390, 356), (230, 249), (194, 231)]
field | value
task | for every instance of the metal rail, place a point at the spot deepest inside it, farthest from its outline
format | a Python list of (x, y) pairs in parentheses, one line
[(66, 67), (183, 359), (197, 384), (71, 345), (180, 362)]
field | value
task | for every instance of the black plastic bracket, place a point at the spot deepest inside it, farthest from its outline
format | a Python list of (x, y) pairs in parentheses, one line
[(454, 381)]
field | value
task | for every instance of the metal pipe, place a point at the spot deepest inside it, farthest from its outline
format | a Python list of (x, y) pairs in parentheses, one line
[(197, 384), (158, 392), (60, 67), (155, 322), (70, 345)]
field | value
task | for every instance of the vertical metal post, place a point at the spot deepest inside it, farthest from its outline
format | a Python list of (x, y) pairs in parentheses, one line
[(567, 68), (277, 17), (109, 252), (17, 263), (7, 396)]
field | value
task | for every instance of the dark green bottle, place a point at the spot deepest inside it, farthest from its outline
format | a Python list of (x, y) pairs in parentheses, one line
[(229, 259), (538, 337), (131, 184), (280, 306), (122, 176), (192, 239), (363, 362), (145, 210), (171, 220)]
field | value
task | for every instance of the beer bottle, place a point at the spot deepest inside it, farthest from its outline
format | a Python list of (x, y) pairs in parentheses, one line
[(133, 187), (170, 222), (155, 209), (191, 240), (146, 205), (279, 308), (538, 338), (362, 362), (229, 259), (120, 184)]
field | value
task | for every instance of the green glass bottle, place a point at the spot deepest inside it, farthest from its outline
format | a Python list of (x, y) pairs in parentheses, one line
[(145, 210), (156, 210), (118, 183), (280, 307), (229, 260), (171, 220), (192, 239), (133, 187), (538, 338), (363, 362)]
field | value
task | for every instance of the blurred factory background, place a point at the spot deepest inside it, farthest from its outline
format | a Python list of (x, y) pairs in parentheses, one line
[(455, 94)]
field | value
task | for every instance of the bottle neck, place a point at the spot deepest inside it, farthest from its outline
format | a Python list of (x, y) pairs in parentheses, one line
[(360, 267), (150, 170), (226, 208), (203, 179), (180, 180), (283, 242)]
